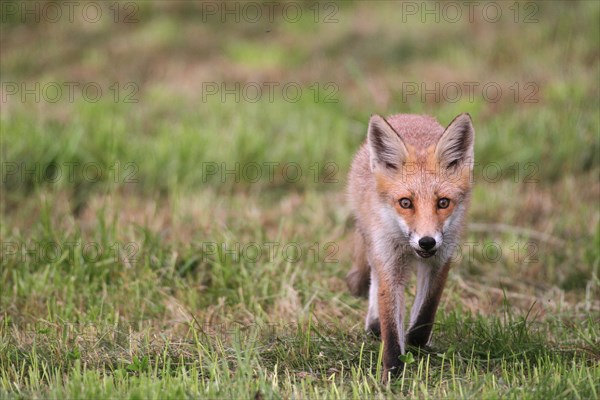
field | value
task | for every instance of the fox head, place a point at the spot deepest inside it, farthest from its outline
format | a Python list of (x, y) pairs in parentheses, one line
[(424, 180)]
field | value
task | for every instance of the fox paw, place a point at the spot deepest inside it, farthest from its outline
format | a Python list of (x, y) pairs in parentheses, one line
[(418, 338), (374, 328)]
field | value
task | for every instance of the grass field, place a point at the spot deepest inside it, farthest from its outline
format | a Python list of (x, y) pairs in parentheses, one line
[(173, 219)]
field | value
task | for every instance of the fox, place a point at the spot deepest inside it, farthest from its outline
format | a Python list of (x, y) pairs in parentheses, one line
[(409, 188)]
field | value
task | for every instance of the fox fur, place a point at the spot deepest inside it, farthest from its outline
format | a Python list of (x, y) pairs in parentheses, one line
[(409, 189)]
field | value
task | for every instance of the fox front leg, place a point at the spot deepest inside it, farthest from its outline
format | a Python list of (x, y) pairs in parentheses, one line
[(372, 323), (430, 285), (391, 316)]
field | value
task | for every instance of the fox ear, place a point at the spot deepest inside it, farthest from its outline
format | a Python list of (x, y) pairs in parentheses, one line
[(386, 148), (455, 147)]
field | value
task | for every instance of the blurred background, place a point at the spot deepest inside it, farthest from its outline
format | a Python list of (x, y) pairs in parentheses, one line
[(153, 134)]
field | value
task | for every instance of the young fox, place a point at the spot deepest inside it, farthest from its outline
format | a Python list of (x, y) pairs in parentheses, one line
[(409, 188)]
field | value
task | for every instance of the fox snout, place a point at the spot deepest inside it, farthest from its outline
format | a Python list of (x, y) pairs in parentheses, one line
[(426, 245)]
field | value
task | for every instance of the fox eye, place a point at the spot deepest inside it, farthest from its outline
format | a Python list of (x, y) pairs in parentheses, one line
[(443, 203), (405, 203)]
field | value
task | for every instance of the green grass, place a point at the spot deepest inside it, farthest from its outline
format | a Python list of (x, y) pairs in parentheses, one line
[(162, 278)]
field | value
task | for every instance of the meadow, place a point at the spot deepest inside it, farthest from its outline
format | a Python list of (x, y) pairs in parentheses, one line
[(173, 216)]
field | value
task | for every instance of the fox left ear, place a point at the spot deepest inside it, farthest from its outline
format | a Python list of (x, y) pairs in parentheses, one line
[(455, 147)]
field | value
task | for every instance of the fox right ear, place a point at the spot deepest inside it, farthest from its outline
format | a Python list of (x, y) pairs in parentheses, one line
[(386, 149)]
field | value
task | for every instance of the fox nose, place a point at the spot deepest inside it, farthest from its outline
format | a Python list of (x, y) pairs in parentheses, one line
[(427, 242)]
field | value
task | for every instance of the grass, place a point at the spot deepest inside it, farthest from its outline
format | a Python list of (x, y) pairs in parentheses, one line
[(167, 248)]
